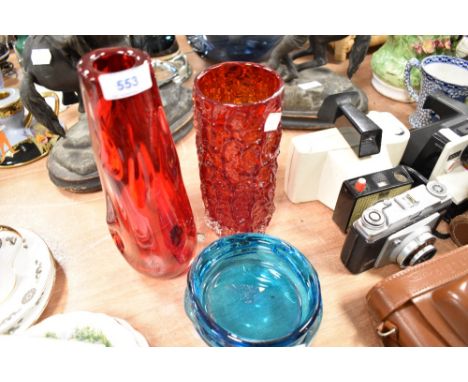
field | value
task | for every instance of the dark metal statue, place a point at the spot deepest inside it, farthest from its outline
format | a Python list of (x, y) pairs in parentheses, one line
[(318, 48), (71, 163), (60, 74)]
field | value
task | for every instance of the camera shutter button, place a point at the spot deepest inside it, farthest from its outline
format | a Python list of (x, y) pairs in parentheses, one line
[(373, 218), (360, 185)]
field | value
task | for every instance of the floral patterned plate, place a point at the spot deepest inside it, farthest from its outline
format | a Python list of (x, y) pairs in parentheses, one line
[(31, 317), (33, 267), (96, 328)]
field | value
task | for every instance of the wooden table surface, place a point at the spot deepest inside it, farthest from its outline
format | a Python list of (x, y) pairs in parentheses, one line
[(93, 276)]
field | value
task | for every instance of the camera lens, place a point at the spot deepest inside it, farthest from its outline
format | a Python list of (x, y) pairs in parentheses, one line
[(423, 255), (418, 250)]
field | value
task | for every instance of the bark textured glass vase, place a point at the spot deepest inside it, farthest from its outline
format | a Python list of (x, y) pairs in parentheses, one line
[(148, 211), (237, 112)]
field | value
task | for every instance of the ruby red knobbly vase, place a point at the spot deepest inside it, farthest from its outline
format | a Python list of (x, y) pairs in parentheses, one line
[(237, 111)]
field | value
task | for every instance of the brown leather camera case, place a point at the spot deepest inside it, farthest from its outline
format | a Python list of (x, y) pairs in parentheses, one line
[(424, 305), (459, 229)]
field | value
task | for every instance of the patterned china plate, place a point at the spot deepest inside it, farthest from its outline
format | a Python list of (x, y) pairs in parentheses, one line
[(31, 317), (90, 327), (34, 269)]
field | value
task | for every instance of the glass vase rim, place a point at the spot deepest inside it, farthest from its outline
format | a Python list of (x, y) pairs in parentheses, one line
[(295, 333), (199, 93), (86, 62)]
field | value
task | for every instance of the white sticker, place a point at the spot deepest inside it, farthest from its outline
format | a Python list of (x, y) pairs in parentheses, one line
[(272, 122), (310, 85), (126, 83), (41, 56)]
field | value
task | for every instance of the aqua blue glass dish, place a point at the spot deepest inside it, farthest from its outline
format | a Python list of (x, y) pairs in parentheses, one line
[(253, 290)]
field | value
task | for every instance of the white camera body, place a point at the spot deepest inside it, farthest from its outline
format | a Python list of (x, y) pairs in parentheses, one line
[(319, 162), (449, 170)]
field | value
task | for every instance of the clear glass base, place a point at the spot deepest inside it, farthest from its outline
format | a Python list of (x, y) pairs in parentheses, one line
[(226, 231)]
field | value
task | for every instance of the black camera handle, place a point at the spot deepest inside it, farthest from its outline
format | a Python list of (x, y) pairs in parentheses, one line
[(336, 105), (366, 137)]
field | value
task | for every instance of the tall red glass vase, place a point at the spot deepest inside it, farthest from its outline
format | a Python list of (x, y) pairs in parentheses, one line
[(237, 114), (148, 211)]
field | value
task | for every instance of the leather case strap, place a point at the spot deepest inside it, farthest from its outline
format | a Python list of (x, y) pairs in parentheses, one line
[(391, 293), (459, 229)]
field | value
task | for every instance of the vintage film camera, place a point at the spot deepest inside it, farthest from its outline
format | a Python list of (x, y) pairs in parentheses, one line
[(319, 162), (397, 230), (359, 193), (436, 151)]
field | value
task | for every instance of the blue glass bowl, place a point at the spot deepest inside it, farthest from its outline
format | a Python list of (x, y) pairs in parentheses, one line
[(253, 290), (221, 48)]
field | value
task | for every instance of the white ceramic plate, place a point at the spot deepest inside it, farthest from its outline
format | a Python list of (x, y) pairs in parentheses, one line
[(140, 340), (10, 245), (37, 310), (34, 268), (65, 326), (390, 91)]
